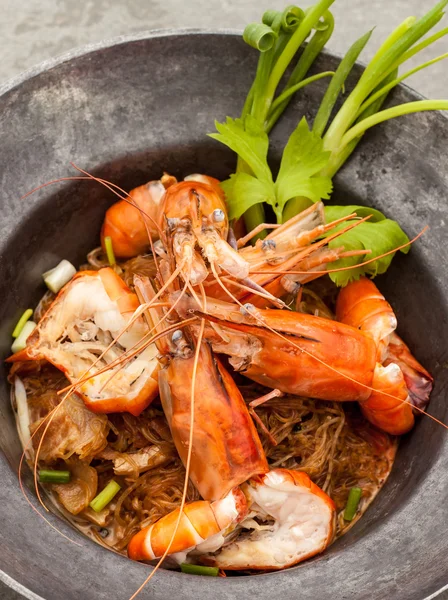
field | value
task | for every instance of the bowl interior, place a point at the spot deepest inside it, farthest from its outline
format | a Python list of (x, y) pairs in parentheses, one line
[(133, 110)]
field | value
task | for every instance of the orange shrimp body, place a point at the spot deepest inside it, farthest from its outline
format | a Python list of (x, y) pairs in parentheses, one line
[(397, 372), (293, 351), (393, 415), (79, 326), (198, 522), (361, 305), (300, 523), (128, 226), (226, 447)]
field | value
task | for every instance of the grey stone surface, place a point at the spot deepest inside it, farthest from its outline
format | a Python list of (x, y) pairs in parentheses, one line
[(39, 29)]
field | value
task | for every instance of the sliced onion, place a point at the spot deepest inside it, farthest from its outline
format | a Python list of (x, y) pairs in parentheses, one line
[(23, 417), (197, 177), (56, 278), (20, 341)]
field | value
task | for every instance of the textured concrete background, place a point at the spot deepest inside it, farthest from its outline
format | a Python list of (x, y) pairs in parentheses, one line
[(35, 30)]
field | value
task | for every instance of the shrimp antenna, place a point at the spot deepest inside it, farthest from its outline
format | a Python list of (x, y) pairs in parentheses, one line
[(355, 266), (115, 189), (127, 198)]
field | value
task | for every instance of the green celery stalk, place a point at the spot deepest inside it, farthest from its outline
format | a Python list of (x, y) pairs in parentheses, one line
[(338, 159), (386, 88), (392, 113)]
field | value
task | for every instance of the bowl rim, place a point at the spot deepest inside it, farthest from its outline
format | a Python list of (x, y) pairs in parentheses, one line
[(85, 49), (81, 51)]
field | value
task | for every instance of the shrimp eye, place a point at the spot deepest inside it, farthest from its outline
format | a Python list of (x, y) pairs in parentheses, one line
[(268, 245), (172, 223), (177, 336), (218, 215), (247, 309)]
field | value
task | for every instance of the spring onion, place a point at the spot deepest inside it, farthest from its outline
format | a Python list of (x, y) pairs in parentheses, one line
[(199, 570), (352, 503), (103, 498), (289, 30), (316, 151), (56, 278), (53, 476), (20, 342), (109, 251), (21, 322)]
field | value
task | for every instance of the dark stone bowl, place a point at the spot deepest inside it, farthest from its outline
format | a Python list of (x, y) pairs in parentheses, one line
[(127, 111)]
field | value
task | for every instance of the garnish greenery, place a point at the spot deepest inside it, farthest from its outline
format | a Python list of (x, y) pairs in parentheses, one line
[(378, 234), (314, 155), (303, 159)]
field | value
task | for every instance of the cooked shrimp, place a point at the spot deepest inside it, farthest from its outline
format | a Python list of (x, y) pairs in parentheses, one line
[(362, 305), (267, 349), (130, 222), (290, 519), (78, 328), (203, 527), (226, 447)]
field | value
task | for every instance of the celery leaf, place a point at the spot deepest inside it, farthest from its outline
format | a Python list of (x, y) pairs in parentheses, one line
[(249, 140), (379, 235), (303, 158), (243, 191)]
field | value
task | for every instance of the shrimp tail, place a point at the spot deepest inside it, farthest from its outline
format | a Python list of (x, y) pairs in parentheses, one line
[(401, 385), (418, 381), (199, 522), (290, 519)]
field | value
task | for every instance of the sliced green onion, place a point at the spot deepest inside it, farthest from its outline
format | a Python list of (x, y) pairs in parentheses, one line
[(109, 250), (56, 278), (104, 497), (352, 503), (295, 88), (336, 84), (259, 36), (291, 18), (53, 476), (400, 110), (269, 17), (199, 570), (21, 322), (20, 342)]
